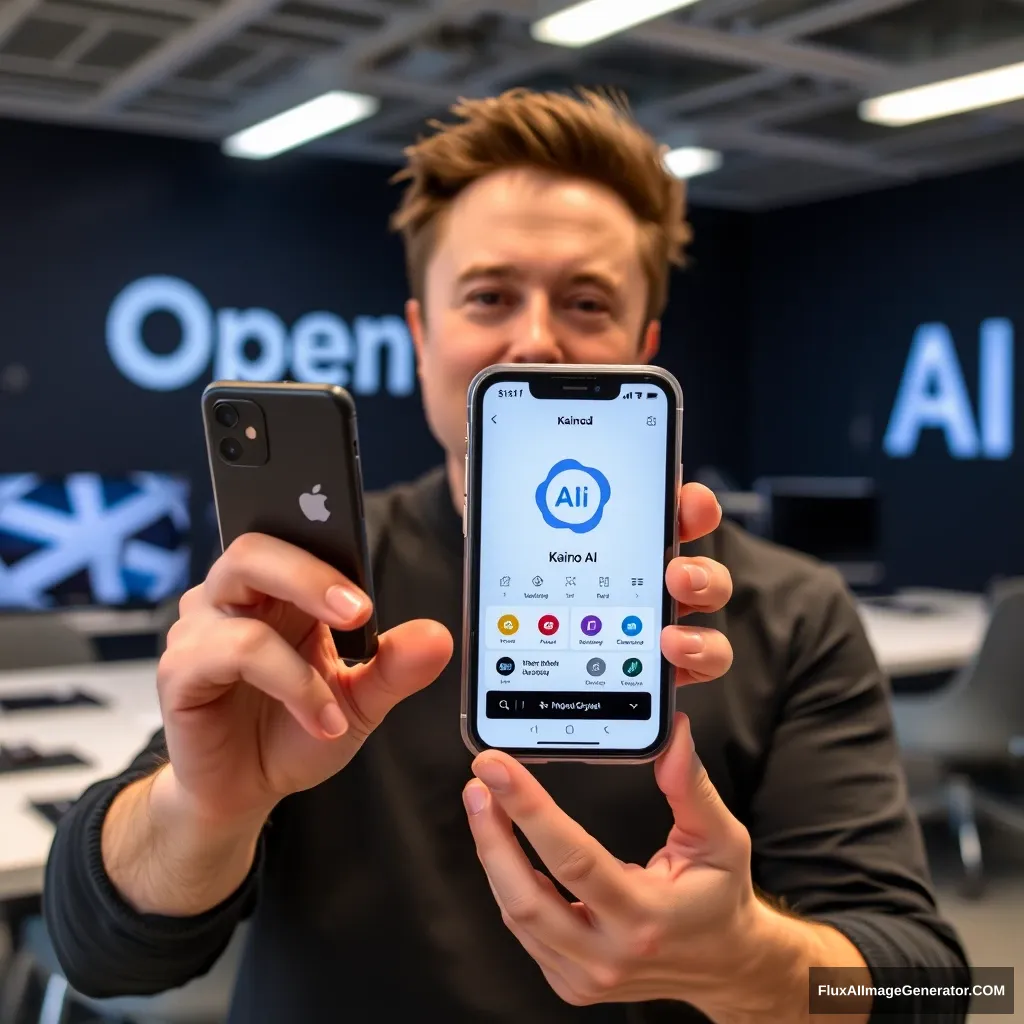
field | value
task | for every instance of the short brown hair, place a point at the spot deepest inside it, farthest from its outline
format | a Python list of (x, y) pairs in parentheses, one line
[(587, 135)]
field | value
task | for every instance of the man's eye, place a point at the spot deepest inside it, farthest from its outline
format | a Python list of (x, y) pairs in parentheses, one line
[(590, 305), (486, 298)]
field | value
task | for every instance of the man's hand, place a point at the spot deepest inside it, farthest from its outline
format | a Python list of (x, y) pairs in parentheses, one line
[(256, 705), (687, 926), (698, 585)]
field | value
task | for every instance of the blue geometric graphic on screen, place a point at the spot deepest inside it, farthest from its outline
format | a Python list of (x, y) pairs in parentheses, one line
[(86, 538)]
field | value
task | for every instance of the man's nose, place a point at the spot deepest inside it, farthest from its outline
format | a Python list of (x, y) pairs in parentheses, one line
[(536, 334)]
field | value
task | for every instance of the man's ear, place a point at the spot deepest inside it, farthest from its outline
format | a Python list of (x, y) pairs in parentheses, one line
[(651, 342), (414, 320)]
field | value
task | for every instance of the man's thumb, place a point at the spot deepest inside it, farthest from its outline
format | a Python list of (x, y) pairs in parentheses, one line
[(408, 658), (700, 813)]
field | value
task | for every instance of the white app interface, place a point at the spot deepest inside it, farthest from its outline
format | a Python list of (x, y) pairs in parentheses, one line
[(572, 522)]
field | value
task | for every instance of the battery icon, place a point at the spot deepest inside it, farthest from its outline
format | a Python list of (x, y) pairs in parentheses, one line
[(652, 394)]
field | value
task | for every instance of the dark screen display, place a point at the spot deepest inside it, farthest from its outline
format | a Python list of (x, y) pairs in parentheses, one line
[(830, 527)]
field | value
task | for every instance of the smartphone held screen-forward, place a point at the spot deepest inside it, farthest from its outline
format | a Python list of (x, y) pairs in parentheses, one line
[(571, 519)]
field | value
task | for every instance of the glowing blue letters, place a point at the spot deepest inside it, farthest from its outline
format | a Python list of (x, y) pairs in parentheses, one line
[(254, 344), (933, 394)]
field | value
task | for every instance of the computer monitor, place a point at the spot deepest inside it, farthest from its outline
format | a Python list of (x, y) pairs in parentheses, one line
[(86, 539), (834, 519)]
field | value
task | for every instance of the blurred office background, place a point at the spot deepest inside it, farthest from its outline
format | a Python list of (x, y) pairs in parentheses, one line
[(845, 335)]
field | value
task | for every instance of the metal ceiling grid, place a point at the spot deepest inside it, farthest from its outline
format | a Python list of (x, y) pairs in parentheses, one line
[(773, 84)]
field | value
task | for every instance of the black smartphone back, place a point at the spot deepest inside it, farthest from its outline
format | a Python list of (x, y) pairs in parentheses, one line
[(284, 461)]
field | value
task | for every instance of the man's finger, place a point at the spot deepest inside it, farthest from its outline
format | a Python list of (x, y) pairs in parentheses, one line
[(700, 653), (702, 821), (574, 858), (229, 651), (408, 658), (255, 567), (699, 512), (529, 906), (698, 584)]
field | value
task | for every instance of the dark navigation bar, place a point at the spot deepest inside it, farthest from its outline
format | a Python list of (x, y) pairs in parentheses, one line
[(536, 704)]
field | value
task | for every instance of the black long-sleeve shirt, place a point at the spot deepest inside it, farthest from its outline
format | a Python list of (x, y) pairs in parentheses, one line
[(367, 900)]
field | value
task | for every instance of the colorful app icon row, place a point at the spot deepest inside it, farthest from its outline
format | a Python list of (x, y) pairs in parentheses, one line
[(631, 667), (547, 625)]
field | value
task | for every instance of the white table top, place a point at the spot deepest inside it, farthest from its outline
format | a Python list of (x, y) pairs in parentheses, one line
[(108, 737), (935, 631)]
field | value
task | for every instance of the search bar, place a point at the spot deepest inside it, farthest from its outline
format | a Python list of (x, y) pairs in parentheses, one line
[(568, 704)]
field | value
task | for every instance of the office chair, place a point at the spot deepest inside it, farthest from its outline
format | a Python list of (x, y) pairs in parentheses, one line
[(972, 727), (204, 1000), (30, 640), (1002, 586)]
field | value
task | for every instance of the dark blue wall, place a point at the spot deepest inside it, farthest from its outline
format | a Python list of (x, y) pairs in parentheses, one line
[(838, 290)]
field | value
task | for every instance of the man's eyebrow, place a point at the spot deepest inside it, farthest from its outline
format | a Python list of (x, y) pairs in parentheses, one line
[(493, 270), (604, 281), (508, 271)]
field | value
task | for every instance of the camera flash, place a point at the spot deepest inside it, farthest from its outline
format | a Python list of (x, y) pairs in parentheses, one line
[(250, 432)]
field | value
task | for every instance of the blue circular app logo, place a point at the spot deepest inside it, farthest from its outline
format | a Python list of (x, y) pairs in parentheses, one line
[(573, 496), (631, 625)]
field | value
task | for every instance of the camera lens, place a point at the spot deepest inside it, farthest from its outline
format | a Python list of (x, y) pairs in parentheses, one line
[(231, 449), (225, 414)]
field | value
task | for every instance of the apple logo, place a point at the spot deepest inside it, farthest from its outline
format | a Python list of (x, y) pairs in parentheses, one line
[(314, 505)]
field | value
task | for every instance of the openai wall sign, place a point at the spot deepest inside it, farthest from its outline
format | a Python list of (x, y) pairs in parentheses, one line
[(371, 356)]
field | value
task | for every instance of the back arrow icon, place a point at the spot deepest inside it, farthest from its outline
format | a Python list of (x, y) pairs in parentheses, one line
[(494, 418)]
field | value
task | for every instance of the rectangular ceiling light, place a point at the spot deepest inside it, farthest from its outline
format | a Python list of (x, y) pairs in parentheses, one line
[(587, 22), (689, 161), (301, 124), (952, 96)]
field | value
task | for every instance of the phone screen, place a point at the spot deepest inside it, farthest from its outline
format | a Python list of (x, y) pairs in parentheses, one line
[(573, 521)]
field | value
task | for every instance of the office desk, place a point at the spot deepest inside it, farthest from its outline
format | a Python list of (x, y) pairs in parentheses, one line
[(922, 631), (108, 737)]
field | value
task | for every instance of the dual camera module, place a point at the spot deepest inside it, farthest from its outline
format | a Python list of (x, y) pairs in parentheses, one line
[(237, 432), (227, 416)]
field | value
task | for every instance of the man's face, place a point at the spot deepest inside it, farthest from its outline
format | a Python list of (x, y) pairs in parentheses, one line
[(527, 268)]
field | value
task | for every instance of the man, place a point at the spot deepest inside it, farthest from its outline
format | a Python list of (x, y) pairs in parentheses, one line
[(325, 800)]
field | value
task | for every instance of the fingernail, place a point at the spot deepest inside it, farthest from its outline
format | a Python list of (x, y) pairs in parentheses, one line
[(345, 601), (699, 577), (475, 797), (493, 774), (692, 643), (332, 721)]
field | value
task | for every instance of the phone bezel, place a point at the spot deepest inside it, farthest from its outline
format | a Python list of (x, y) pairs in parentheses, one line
[(604, 375)]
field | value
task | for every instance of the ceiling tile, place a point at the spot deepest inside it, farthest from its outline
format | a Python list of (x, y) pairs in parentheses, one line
[(928, 30), (41, 38), (119, 50)]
